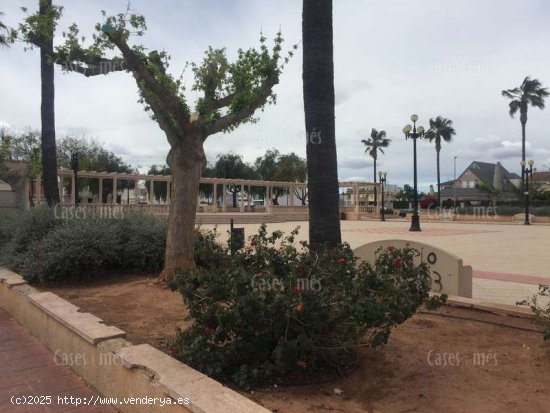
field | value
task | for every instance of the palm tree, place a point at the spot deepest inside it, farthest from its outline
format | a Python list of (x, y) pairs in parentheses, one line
[(3, 37), (375, 144), (47, 107), (318, 89), (530, 93), (441, 129)]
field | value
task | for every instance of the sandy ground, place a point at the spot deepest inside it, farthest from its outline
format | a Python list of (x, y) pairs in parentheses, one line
[(452, 361)]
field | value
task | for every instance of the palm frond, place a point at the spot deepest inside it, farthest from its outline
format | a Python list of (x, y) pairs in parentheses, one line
[(514, 107), (537, 101), (440, 129), (512, 93), (530, 93)]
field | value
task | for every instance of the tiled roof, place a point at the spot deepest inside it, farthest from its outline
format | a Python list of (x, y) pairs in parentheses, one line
[(486, 171), (541, 176)]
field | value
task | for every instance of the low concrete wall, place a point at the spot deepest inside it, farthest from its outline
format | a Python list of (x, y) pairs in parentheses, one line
[(102, 356)]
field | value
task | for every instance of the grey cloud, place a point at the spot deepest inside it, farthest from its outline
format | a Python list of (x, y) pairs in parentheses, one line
[(356, 162), (380, 79)]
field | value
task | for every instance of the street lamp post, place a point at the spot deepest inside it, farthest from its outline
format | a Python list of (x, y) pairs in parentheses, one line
[(527, 173), (414, 133), (382, 176), (454, 186), (74, 167)]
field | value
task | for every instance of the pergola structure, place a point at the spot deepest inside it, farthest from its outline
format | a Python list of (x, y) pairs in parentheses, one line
[(246, 184)]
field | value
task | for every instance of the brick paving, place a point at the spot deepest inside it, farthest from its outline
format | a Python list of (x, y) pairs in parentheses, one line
[(429, 232), (27, 368), (518, 278)]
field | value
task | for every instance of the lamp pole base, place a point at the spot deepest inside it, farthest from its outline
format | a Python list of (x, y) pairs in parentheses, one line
[(415, 223)]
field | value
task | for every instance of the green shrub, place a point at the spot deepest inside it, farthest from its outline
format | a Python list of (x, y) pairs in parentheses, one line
[(400, 204), (28, 228), (47, 245), (541, 211), (8, 225), (508, 210), (74, 251), (540, 305), (143, 239), (272, 309)]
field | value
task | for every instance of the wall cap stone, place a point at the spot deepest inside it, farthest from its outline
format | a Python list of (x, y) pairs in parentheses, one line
[(181, 381), (10, 278), (89, 327)]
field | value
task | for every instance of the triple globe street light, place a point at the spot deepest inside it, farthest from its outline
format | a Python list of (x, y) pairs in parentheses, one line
[(414, 133), (527, 173), (382, 178)]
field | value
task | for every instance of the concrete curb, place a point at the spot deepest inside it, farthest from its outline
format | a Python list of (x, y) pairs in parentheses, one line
[(505, 309), (115, 367)]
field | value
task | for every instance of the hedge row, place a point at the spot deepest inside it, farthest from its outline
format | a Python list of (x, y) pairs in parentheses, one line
[(43, 247)]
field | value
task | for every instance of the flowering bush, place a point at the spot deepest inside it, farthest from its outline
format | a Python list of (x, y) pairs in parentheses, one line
[(273, 309)]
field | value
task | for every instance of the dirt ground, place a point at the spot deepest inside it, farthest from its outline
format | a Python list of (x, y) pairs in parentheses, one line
[(453, 360)]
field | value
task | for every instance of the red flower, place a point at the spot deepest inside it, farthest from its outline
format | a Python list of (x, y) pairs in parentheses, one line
[(391, 248), (397, 262), (301, 267), (253, 243), (207, 330), (297, 289), (302, 364), (331, 262), (174, 351), (299, 308), (341, 261)]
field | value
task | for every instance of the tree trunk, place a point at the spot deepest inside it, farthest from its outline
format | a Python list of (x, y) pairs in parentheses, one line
[(47, 114), (318, 90), (234, 197), (186, 163), (438, 182)]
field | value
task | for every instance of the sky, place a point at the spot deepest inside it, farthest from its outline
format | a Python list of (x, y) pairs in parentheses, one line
[(392, 59)]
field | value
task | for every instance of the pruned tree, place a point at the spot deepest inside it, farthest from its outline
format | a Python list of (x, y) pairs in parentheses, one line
[(231, 92)]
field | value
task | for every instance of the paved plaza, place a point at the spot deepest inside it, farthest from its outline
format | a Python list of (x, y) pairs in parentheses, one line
[(509, 260), (28, 369)]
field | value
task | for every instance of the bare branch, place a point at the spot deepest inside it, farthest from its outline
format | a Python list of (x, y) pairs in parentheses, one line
[(221, 102), (234, 118), (164, 98)]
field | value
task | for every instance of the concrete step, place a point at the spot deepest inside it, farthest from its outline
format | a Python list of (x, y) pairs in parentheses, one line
[(221, 218)]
